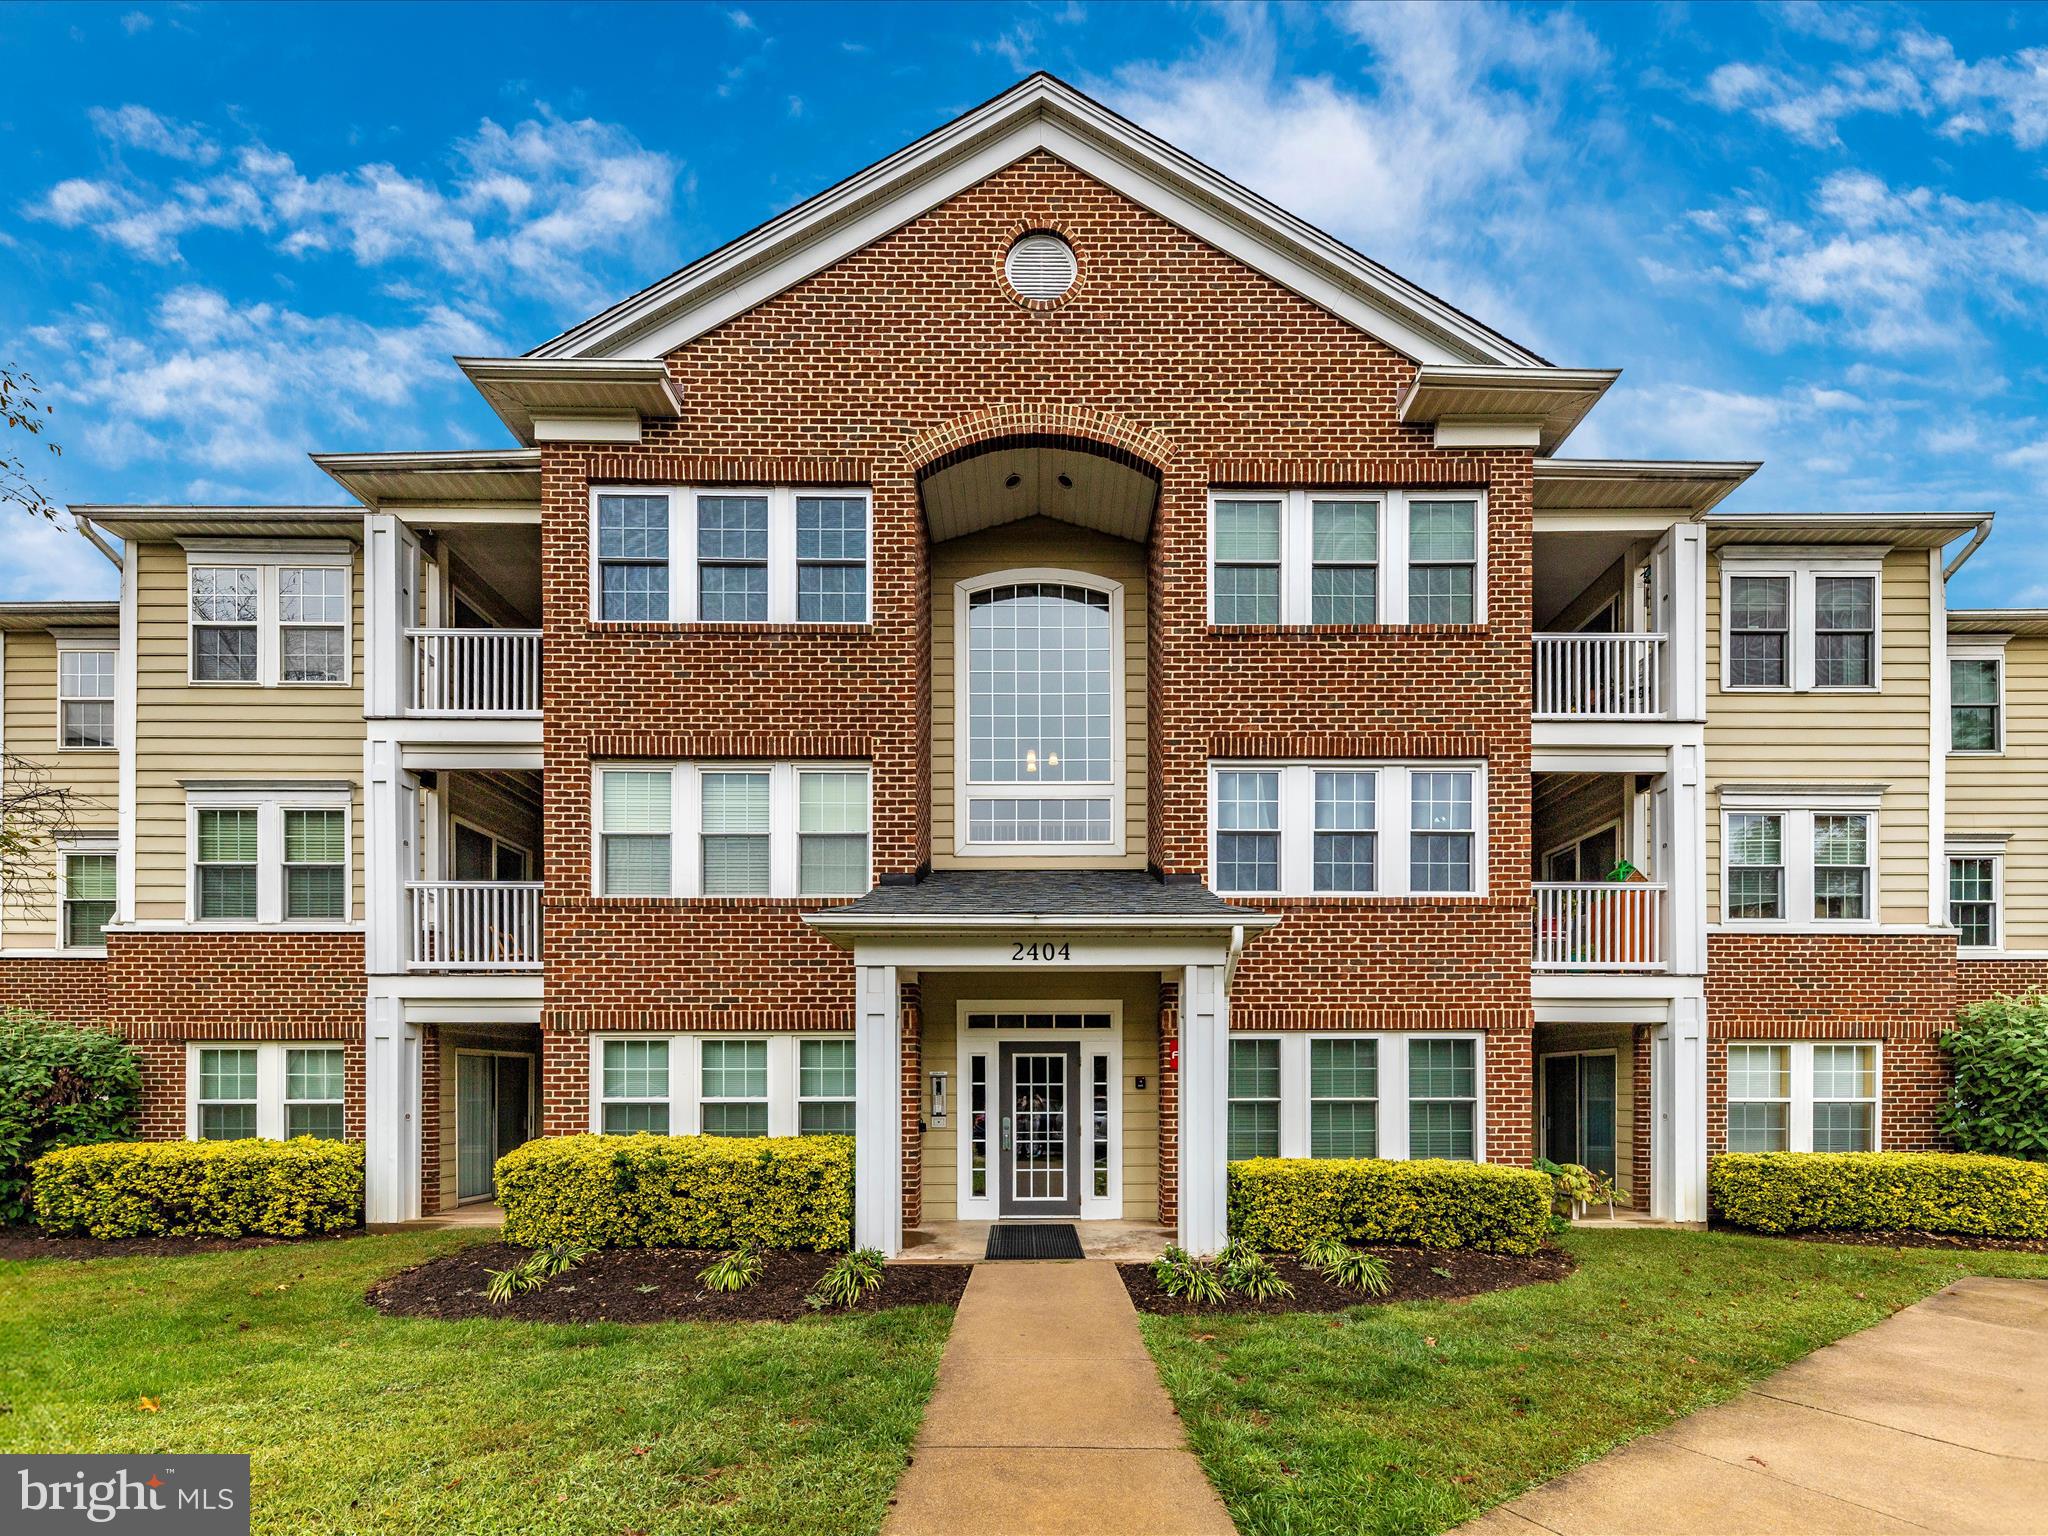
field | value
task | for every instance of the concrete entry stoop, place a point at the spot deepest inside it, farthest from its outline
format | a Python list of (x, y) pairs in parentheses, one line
[(1049, 1418)]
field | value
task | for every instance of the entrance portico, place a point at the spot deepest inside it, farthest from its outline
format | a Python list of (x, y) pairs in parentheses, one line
[(1027, 964)]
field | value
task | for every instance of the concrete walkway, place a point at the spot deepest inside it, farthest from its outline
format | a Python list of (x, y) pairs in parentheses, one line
[(1935, 1419), (1048, 1418)]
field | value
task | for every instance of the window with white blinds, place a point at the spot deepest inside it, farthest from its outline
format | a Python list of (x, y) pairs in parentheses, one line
[(731, 829)]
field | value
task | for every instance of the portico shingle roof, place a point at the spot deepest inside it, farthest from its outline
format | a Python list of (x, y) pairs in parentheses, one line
[(1104, 893)]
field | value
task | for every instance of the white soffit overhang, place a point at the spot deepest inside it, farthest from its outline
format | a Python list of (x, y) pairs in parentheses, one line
[(2030, 622), (1040, 113), (492, 477), (1899, 530), (587, 399), (1609, 485), (165, 524), (1474, 405), (58, 615), (1085, 489)]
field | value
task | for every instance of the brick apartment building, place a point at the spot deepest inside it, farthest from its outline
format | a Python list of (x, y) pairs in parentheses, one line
[(1043, 661)]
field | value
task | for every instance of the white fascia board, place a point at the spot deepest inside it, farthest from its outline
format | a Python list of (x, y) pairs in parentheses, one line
[(596, 427), (840, 920), (1480, 432), (1042, 115)]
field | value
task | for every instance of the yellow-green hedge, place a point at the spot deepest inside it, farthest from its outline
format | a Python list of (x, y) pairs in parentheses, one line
[(200, 1188), (679, 1191), (1880, 1192), (1279, 1203)]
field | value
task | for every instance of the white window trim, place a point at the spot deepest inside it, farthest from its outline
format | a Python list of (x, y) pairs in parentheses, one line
[(1799, 1112), (1799, 642), (989, 1043), (270, 806), (91, 843), (1297, 549), (686, 818), (965, 791), (105, 641), (270, 1080), (268, 560), (1977, 648), (1992, 848), (1392, 1067), (682, 551), (686, 1079), (1798, 812), (496, 843), (1393, 811)]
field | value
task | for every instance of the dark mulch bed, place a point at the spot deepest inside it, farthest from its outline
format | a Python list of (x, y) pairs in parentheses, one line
[(1904, 1240), (34, 1243), (646, 1285), (1413, 1272)]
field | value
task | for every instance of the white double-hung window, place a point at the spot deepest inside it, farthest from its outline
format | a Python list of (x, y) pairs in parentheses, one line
[(1803, 1096), (85, 692), (731, 555), (1306, 557), (722, 1085), (1039, 701), (1976, 696), (1416, 1094), (1801, 624), (1798, 865), (269, 617), (1347, 829), (731, 829), (235, 1090), (268, 853)]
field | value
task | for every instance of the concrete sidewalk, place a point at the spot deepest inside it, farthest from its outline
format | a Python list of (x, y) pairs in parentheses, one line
[(1048, 1418), (1935, 1419)]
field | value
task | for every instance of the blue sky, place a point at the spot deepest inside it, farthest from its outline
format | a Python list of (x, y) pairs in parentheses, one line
[(1817, 236)]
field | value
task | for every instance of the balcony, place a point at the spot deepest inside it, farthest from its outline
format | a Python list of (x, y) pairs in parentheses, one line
[(1588, 676), (473, 925), (1602, 925), (488, 674)]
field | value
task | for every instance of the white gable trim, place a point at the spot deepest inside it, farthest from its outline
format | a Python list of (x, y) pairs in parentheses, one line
[(1040, 113)]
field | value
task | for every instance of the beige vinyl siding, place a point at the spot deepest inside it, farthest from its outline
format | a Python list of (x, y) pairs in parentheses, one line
[(941, 995), (2005, 794), (222, 731), (1037, 543), (28, 688), (1838, 738)]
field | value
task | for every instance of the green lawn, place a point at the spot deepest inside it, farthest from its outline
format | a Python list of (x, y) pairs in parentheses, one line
[(362, 1423), (1413, 1418)]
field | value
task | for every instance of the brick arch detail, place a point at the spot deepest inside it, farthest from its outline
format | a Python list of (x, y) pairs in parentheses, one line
[(1117, 436)]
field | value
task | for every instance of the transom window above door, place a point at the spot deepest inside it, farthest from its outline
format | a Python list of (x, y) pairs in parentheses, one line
[(1040, 684), (731, 555), (1347, 557)]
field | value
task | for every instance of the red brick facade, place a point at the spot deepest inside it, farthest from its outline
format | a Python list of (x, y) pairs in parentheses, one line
[(1979, 979), (72, 990)]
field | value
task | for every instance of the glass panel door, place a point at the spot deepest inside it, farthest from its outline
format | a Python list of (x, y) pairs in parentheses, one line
[(1041, 1131), (1596, 1114), (476, 1125), (1561, 1108), (514, 1102)]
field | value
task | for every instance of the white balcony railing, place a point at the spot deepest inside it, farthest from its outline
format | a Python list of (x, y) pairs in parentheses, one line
[(491, 673), (1605, 925), (1600, 677), (473, 925)]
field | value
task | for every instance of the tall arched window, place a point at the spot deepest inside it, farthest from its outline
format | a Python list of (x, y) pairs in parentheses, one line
[(1042, 697)]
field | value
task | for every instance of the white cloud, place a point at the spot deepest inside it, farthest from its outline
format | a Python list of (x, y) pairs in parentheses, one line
[(139, 128), (137, 21), (38, 559), (523, 208)]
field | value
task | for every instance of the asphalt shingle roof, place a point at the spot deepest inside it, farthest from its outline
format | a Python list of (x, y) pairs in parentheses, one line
[(1033, 893)]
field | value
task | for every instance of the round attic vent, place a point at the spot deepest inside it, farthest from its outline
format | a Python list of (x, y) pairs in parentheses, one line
[(1040, 266)]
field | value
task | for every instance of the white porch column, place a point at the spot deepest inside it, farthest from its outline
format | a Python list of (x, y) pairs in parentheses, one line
[(1685, 620), (1687, 876), (878, 1111), (391, 1113), (389, 854), (1678, 1085), (1204, 1109)]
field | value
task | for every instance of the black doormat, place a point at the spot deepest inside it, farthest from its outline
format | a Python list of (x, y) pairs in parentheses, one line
[(1054, 1240)]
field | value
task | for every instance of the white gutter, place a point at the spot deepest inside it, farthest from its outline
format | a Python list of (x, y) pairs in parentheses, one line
[(1983, 532), (92, 536)]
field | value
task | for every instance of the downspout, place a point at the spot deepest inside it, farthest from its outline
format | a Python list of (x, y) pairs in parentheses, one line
[(1236, 948), (92, 536), (1983, 532)]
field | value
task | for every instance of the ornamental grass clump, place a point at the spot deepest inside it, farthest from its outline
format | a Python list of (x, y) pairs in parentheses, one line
[(731, 1272), (1345, 1266), (1250, 1273), (1186, 1278), (852, 1278)]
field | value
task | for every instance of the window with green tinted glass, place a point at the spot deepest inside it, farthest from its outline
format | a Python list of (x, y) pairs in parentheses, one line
[(227, 855), (1974, 704), (1254, 1099), (88, 899), (635, 1087), (734, 1085), (1245, 576), (634, 831), (227, 1093), (832, 833), (824, 1088), (1443, 1098), (1443, 562), (313, 1092), (316, 864), (1343, 1098)]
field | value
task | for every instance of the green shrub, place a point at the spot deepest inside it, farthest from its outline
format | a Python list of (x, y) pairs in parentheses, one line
[(200, 1188), (679, 1191), (1282, 1204), (61, 1085), (1999, 1100), (1880, 1192)]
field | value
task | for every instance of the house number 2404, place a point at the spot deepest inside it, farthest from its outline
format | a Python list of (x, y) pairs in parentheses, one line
[(1043, 952)]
